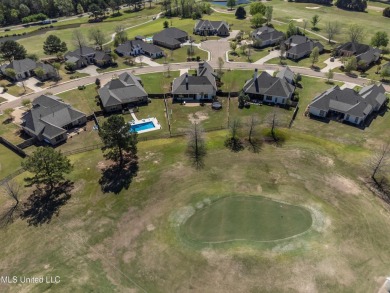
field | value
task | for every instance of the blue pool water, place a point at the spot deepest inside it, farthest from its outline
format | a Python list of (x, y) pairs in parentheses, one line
[(224, 3), (142, 126), (149, 39)]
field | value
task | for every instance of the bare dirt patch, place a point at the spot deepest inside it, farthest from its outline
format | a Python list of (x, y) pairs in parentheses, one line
[(297, 19), (343, 184), (312, 7), (198, 117)]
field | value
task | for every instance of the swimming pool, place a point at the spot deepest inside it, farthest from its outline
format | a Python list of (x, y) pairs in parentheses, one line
[(142, 126), (149, 39)]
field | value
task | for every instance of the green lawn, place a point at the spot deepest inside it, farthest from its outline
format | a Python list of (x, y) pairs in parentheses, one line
[(18, 91), (33, 44), (241, 218), (234, 80), (2, 100), (305, 62), (158, 82), (255, 55), (182, 116), (181, 54), (82, 100), (9, 131), (9, 163)]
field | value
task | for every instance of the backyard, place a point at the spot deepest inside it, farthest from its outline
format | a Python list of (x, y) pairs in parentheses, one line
[(84, 100)]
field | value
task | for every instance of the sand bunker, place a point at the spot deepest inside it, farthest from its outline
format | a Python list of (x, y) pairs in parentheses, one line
[(312, 7)]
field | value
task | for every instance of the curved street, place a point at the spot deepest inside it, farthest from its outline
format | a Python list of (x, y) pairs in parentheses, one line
[(217, 48)]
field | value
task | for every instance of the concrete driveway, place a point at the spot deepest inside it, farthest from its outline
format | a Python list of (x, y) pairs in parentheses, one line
[(271, 55), (217, 48), (31, 83), (331, 64), (147, 61), (90, 69)]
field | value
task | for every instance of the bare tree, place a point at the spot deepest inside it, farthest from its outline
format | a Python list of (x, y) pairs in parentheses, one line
[(168, 70), (196, 147), (233, 141), (78, 39), (332, 28), (355, 33), (254, 141), (97, 36), (305, 23), (379, 162), (273, 122), (12, 190), (282, 50)]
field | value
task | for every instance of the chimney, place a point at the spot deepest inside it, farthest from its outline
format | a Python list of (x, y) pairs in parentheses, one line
[(255, 81), (187, 81)]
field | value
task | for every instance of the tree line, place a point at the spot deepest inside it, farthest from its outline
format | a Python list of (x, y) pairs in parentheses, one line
[(18, 11)]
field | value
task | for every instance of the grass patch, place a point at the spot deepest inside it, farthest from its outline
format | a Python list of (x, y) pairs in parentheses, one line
[(305, 62), (256, 54), (182, 116), (234, 80), (9, 163), (241, 218), (158, 82), (82, 100), (2, 100), (10, 131), (18, 91), (180, 55)]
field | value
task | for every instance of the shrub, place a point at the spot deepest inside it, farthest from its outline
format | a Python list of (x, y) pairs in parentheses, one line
[(386, 12), (81, 87), (34, 17)]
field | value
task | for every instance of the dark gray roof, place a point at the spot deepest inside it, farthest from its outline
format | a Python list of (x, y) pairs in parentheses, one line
[(124, 89), (297, 39), (355, 48), (47, 68), (48, 115), (146, 47), (305, 48), (266, 33), (348, 101), (371, 55), (286, 73), (209, 25), (204, 82), (170, 36), (83, 51), (266, 84), (102, 56), (20, 66)]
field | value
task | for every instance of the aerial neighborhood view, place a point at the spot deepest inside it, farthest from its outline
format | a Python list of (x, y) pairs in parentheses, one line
[(195, 146)]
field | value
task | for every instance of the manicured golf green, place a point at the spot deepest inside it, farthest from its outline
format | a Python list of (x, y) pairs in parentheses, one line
[(246, 218)]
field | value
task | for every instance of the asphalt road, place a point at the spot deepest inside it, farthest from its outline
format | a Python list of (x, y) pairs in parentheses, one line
[(187, 65)]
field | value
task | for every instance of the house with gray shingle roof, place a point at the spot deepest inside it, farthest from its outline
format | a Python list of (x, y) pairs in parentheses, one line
[(298, 47), (25, 68), (269, 89), (267, 35), (287, 74), (364, 53), (49, 119), (121, 92), (211, 28), (348, 105), (85, 56), (138, 47), (201, 86), (170, 38)]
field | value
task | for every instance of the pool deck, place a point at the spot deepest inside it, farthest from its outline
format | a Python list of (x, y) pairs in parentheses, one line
[(140, 121)]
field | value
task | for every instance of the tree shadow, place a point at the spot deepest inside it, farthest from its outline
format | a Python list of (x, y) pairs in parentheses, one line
[(255, 145), (9, 215), (45, 202), (115, 177), (234, 144)]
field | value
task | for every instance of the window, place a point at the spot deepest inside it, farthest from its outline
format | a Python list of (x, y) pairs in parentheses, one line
[(322, 113), (347, 117), (356, 120), (58, 138), (269, 98)]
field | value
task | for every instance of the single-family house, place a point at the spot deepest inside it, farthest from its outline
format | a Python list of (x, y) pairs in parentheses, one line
[(269, 89), (348, 105), (122, 92), (24, 68), (49, 119), (298, 47), (138, 47), (170, 38), (267, 35), (85, 56), (211, 28), (202, 86), (364, 53)]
